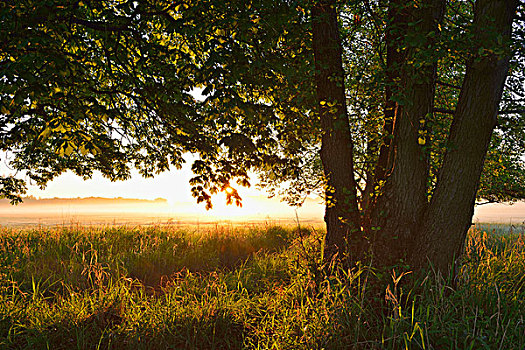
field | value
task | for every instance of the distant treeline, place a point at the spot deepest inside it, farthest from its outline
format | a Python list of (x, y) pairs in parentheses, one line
[(31, 200)]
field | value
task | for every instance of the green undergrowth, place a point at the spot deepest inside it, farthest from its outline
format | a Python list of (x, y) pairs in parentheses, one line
[(255, 288)]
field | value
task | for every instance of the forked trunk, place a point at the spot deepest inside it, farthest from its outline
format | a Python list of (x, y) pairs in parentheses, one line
[(401, 224)]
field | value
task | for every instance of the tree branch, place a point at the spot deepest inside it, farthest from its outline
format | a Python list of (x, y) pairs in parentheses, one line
[(101, 26), (512, 111), (439, 82), (452, 111), (487, 202)]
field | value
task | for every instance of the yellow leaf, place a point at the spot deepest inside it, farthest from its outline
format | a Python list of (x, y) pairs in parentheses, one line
[(68, 150), (421, 141)]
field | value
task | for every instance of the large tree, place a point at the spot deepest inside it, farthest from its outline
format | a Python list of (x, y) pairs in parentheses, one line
[(407, 218), (388, 108)]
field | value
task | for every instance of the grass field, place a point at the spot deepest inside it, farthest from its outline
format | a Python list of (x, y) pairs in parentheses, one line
[(162, 287)]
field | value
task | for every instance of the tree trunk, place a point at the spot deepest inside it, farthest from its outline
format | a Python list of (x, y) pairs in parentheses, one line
[(342, 215), (448, 218), (403, 198), (394, 60)]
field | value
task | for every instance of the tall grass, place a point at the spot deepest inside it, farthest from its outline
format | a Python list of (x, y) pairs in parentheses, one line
[(165, 288)]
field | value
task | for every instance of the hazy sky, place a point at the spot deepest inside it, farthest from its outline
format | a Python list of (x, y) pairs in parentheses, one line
[(173, 186)]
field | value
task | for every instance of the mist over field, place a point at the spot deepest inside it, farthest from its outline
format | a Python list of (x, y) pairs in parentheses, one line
[(123, 211), (502, 213)]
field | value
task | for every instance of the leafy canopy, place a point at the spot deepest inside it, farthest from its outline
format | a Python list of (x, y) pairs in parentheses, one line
[(111, 85)]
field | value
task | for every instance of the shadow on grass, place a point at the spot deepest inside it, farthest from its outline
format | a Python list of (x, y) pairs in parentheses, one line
[(109, 329), (219, 251)]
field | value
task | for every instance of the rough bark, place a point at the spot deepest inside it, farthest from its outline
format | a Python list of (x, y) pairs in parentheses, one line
[(342, 214), (403, 199), (449, 215)]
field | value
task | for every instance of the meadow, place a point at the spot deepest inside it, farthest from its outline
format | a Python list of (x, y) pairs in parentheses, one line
[(253, 287)]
